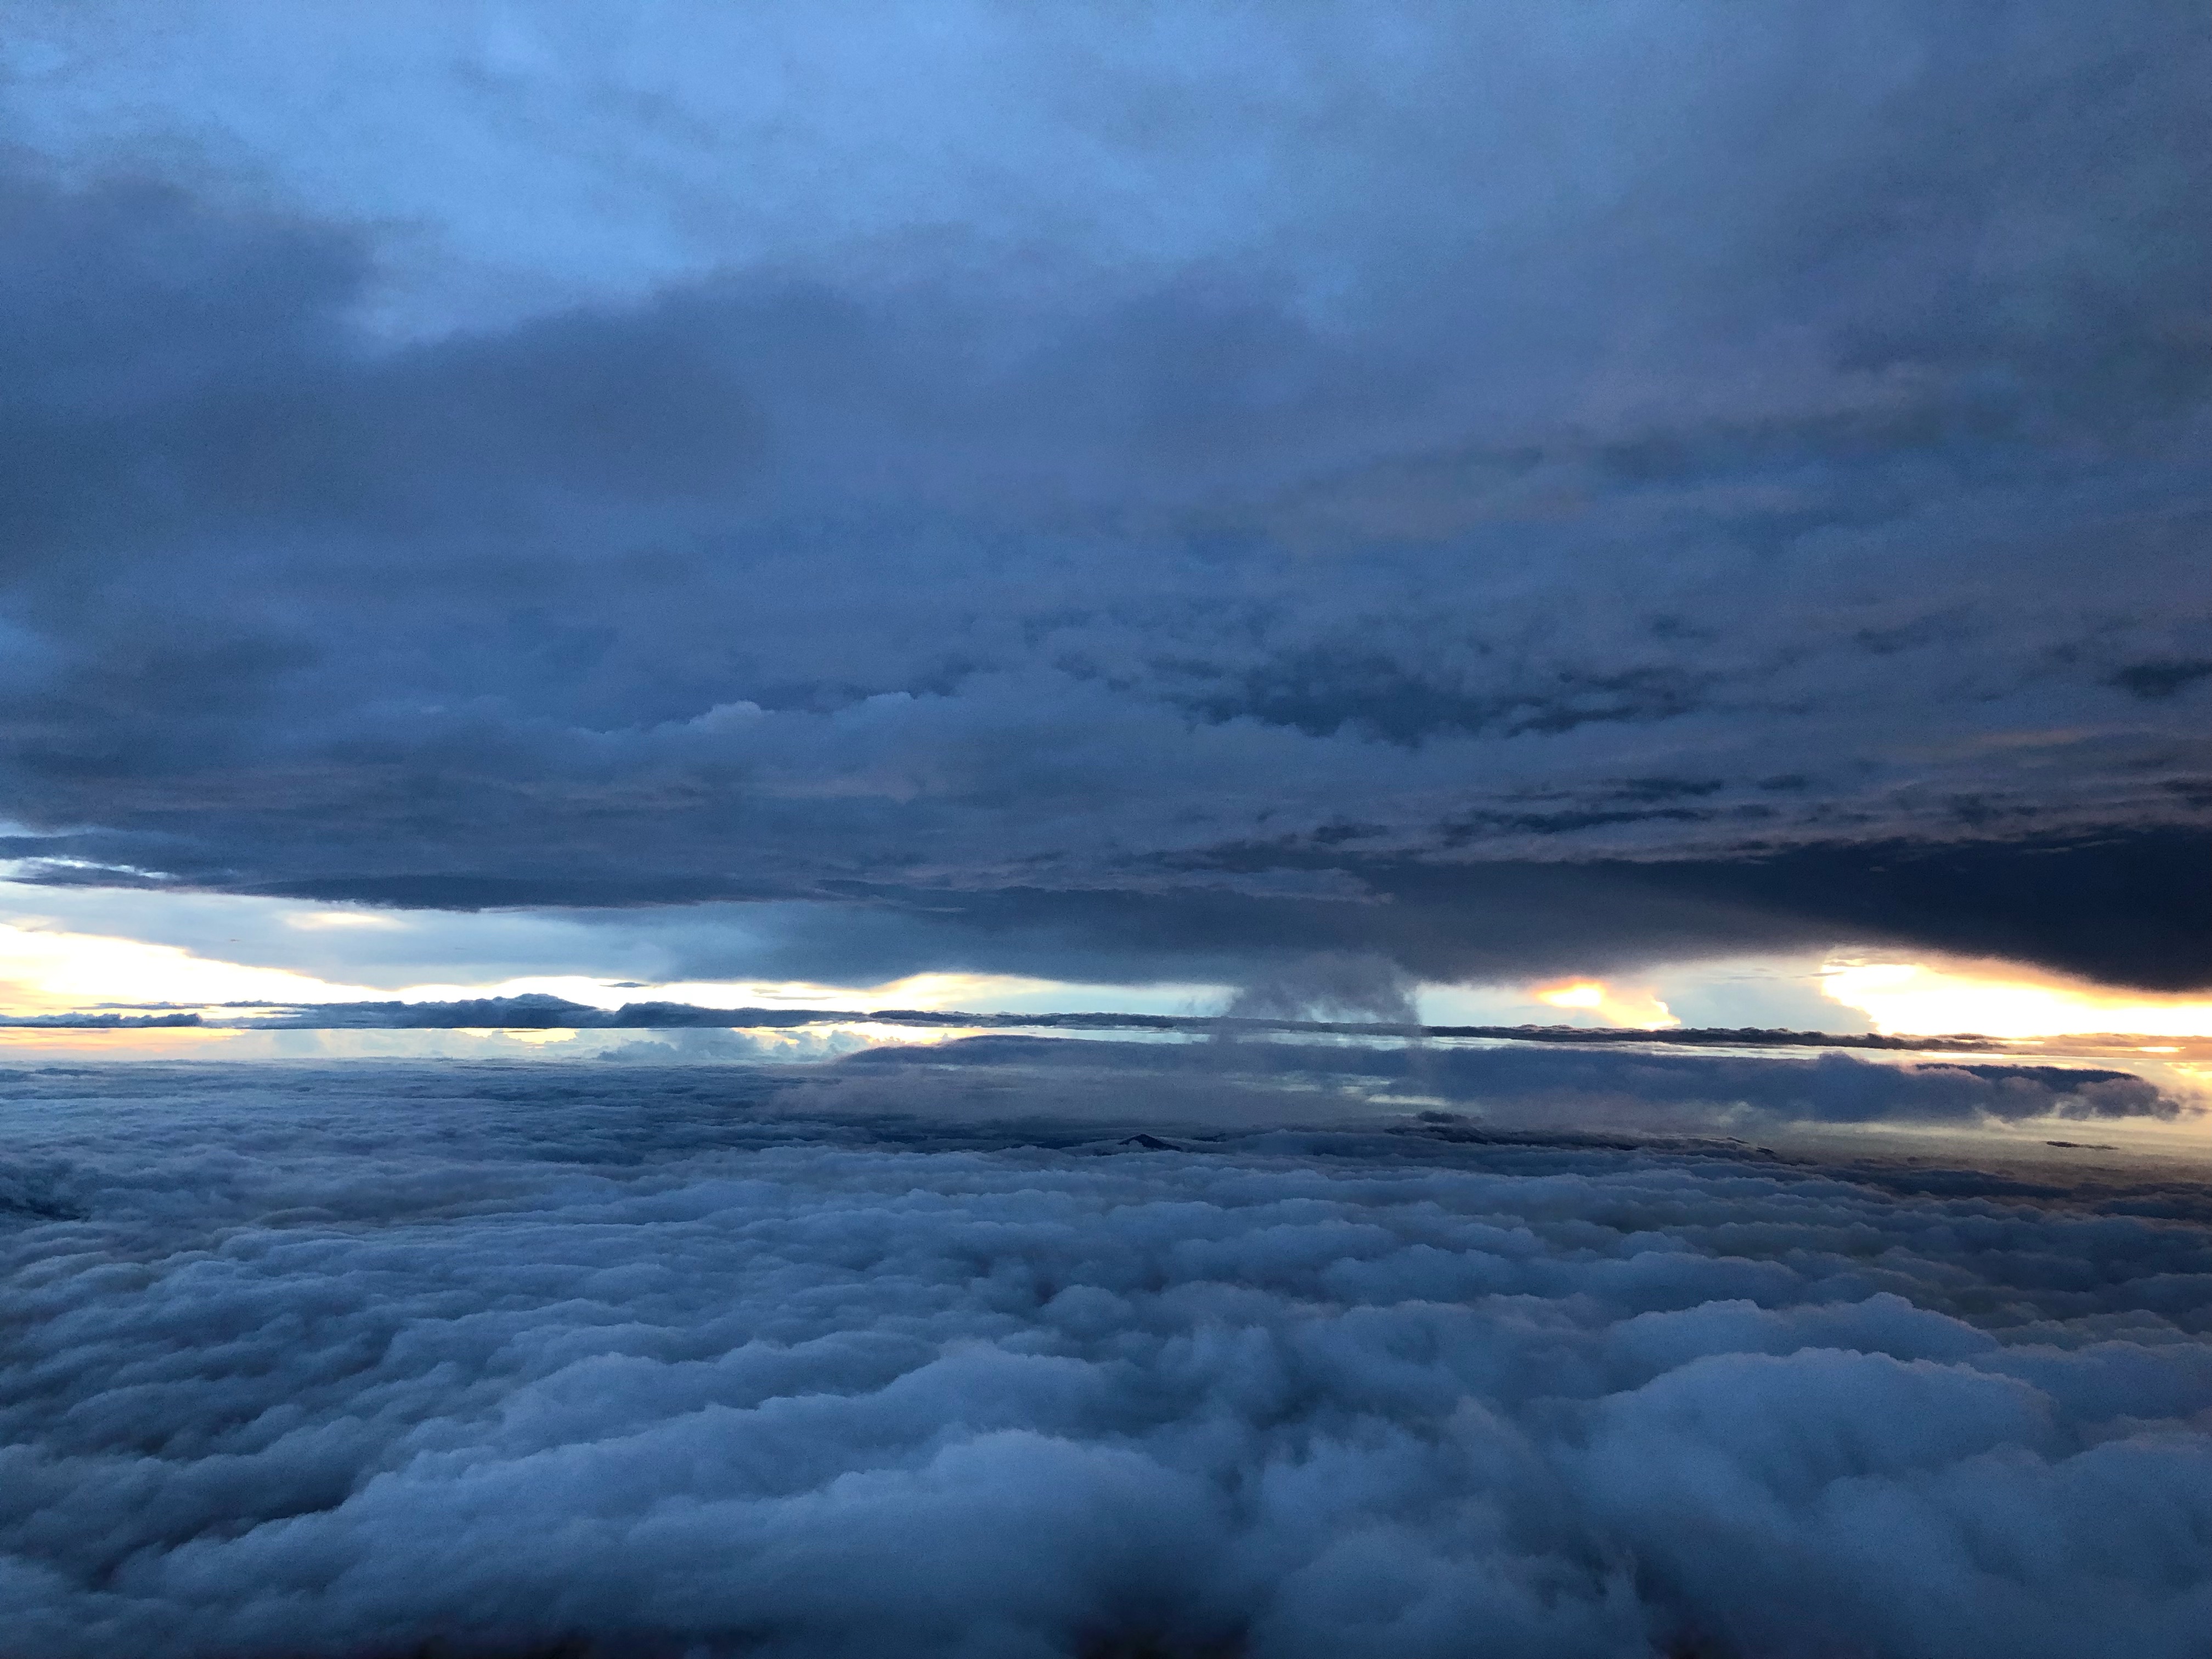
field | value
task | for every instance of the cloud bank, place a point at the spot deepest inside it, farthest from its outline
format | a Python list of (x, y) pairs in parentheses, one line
[(1526, 1083), (1498, 487), (492, 1360)]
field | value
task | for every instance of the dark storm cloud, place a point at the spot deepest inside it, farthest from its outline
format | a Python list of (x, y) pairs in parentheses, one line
[(484, 1360), (1785, 465), (2132, 908)]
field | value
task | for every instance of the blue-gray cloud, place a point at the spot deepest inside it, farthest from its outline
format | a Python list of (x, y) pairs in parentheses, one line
[(494, 1359), (1767, 506), (1556, 1073), (1540, 1083)]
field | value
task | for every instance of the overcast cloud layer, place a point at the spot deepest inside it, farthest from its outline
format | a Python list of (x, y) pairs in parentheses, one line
[(701, 1361), (1129, 494)]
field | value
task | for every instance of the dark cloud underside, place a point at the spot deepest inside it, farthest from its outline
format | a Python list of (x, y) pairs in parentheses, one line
[(1776, 515)]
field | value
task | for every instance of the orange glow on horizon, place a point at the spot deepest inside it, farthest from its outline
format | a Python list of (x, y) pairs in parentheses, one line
[(1635, 1008), (1919, 999)]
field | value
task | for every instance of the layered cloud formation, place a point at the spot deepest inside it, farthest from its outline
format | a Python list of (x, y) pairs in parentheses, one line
[(350, 1362), (1520, 1084), (1769, 447)]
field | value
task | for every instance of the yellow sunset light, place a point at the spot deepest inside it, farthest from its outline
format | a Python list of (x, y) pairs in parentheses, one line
[(1616, 1008), (47, 970), (1916, 999), (1575, 994)]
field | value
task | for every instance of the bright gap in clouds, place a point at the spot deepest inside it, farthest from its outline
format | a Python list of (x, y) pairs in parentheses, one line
[(45, 970), (61, 950), (1623, 1007), (1999, 1000), (64, 949), (54, 971), (47, 966)]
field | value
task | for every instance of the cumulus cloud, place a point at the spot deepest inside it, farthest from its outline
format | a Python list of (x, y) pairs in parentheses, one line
[(364, 1361), (1745, 498)]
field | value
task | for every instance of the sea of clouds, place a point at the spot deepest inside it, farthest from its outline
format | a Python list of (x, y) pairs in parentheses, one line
[(609, 1359)]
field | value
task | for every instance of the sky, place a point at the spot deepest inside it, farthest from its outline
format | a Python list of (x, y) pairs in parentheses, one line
[(1111, 504), (566, 562)]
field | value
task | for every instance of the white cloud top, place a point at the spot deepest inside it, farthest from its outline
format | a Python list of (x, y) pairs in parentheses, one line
[(351, 1363)]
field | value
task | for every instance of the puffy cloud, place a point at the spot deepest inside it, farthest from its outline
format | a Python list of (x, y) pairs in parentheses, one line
[(350, 1361), (1667, 454)]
